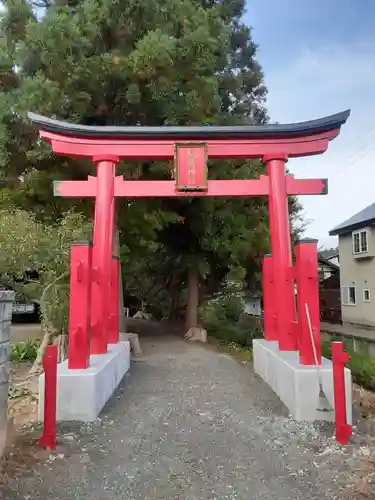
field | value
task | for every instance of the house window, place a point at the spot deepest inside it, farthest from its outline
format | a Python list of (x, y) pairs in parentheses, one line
[(348, 295), (366, 295), (360, 244)]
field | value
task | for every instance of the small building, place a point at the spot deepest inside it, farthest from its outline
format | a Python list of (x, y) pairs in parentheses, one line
[(327, 266), (329, 287), (357, 267), (253, 305)]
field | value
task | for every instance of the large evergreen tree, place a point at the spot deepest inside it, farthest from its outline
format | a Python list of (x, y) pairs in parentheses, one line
[(146, 62)]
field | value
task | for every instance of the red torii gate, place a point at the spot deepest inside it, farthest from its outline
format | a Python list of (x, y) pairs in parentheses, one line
[(93, 317)]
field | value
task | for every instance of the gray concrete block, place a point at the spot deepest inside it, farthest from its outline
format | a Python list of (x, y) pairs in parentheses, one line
[(297, 385), (82, 394)]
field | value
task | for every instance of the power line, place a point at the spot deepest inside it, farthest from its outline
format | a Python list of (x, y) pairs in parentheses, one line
[(370, 129), (355, 160), (364, 146)]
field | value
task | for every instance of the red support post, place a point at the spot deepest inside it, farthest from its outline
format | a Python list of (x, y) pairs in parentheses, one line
[(102, 253), (339, 358), (308, 293), (113, 332), (281, 252), (270, 333), (48, 439), (80, 306)]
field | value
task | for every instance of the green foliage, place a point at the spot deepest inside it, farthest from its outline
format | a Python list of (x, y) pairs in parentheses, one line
[(362, 366), (224, 319), (28, 244), (24, 351), (139, 62)]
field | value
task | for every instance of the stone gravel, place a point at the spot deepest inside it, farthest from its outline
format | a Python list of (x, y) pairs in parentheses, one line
[(188, 423)]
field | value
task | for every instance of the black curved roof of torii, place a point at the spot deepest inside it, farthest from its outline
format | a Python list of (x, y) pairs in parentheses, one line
[(204, 132)]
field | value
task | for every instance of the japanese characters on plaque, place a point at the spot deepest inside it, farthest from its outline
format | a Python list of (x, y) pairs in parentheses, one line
[(191, 166)]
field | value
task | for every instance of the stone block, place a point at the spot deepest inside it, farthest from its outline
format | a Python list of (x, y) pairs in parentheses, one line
[(297, 385), (82, 394)]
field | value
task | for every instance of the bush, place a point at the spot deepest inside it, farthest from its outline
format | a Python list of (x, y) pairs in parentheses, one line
[(225, 320), (362, 366), (24, 351), (29, 244)]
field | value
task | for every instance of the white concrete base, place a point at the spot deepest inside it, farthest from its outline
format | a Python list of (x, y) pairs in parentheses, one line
[(82, 394), (296, 385)]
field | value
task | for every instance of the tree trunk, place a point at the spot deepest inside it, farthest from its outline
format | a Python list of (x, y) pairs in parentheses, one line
[(39, 358), (193, 298)]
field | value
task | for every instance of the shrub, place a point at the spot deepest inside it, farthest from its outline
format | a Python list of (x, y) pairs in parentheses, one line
[(28, 244), (224, 319), (362, 366), (24, 351)]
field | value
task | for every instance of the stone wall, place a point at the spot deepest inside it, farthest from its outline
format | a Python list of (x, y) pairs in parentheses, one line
[(6, 301)]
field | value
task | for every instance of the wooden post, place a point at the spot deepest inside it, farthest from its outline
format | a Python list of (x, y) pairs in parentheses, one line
[(102, 253), (281, 254), (339, 358), (270, 333), (113, 331), (308, 293), (80, 306)]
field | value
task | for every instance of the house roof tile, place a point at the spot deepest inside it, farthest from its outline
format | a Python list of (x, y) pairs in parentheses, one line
[(365, 217)]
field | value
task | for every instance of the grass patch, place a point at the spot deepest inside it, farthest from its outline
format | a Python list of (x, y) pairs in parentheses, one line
[(239, 352), (24, 351), (362, 366), (232, 349)]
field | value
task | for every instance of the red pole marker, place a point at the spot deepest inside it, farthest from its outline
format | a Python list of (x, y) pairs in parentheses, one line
[(339, 358), (48, 439)]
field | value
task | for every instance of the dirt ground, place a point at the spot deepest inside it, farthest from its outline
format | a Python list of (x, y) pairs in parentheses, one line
[(23, 388)]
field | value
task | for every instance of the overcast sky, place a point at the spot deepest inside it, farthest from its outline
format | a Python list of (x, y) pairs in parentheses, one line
[(319, 58)]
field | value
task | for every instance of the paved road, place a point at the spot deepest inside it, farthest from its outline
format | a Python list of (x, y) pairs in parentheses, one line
[(20, 332), (189, 423)]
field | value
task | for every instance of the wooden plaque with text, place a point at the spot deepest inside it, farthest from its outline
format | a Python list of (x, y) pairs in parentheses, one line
[(191, 166)]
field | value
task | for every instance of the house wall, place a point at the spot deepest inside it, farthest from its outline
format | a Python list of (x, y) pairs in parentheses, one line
[(361, 274)]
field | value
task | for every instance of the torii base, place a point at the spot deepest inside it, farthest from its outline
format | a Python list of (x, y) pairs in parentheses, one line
[(297, 385), (82, 394)]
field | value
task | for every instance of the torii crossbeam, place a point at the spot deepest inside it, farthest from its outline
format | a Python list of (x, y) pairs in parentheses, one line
[(191, 148)]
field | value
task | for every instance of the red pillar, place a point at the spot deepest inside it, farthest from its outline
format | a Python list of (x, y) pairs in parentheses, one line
[(270, 333), (79, 306), (308, 293), (48, 439), (339, 358), (102, 253), (281, 252), (113, 332)]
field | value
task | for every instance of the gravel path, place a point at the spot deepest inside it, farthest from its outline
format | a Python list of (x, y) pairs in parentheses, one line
[(189, 423)]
